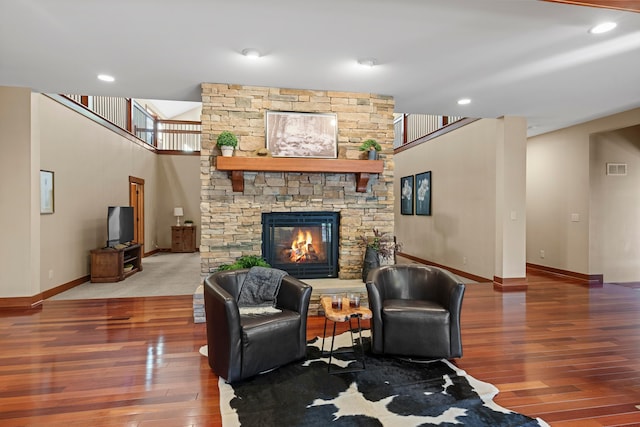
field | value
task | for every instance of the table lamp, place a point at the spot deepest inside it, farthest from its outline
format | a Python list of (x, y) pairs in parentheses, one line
[(178, 212)]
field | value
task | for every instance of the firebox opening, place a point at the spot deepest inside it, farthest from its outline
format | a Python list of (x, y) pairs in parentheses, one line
[(305, 244)]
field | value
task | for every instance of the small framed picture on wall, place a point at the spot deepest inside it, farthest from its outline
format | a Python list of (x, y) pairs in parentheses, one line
[(46, 192), (423, 193), (406, 195)]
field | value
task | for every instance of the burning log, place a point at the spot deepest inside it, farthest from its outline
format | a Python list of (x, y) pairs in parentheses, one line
[(297, 255), (312, 255), (302, 249)]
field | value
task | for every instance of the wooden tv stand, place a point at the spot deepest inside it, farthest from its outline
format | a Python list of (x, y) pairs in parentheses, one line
[(107, 264)]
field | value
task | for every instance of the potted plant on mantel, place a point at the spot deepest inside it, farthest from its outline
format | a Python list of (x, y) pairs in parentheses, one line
[(227, 142), (372, 147)]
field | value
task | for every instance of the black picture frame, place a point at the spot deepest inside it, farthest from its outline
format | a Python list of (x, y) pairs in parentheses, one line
[(424, 185), (406, 195)]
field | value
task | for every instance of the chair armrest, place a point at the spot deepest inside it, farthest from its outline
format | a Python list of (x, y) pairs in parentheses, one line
[(231, 280), (223, 329), (450, 294), (294, 295), (449, 291)]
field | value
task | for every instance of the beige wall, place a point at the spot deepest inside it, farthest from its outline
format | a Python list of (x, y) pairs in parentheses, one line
[(92, 166), (558, 185), (19, 195), (463, 199), (511, 153), (179, 185), (615, 205)]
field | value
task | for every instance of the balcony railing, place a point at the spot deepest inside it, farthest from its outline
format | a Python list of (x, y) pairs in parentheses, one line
[(175, 135), (184, 136), (410, 127), (165, 135)]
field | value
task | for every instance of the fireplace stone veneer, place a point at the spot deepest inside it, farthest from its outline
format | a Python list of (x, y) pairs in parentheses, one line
[(232, 220)]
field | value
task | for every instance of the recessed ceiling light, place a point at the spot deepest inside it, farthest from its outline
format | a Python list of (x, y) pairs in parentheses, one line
[(367, 62), (464, 101), (603, 28), (251, 52), (106, 78)]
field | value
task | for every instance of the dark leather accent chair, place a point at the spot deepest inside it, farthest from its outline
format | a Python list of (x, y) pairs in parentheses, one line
[(242, 346), (416, 311)]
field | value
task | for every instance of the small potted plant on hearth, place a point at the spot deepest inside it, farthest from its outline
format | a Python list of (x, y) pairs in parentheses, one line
[(245, 261), (227, 142), (372, 147)]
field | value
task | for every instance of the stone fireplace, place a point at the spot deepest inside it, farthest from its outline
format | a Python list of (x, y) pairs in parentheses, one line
[(305, 244), (232, 221)]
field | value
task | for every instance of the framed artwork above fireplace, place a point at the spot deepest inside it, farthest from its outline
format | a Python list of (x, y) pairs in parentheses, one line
[(293, 134)]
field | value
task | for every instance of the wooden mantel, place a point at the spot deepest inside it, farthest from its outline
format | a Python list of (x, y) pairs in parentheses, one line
[(236, 166)]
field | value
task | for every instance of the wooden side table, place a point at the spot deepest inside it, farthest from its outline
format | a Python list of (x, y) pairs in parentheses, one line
[(344, 314), (183, 238)]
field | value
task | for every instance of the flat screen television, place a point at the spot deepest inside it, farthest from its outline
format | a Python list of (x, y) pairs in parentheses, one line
[(119, 225)]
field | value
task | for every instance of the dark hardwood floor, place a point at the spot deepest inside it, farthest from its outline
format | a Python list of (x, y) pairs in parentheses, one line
[(561, 351)]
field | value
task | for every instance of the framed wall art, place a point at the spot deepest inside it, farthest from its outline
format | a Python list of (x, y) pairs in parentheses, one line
[(406, 195), (46, 192), (291, 134), (423, 193)]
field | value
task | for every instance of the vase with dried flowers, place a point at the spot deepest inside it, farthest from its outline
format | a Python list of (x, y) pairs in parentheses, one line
[(379, 249)]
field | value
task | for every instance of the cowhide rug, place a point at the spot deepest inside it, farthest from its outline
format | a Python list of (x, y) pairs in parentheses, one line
[(390, 392)]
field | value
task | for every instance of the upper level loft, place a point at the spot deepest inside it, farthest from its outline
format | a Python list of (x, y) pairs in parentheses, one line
[(174, 126), (168, 126), (410, 128)]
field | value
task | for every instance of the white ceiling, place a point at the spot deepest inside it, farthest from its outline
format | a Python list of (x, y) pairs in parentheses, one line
[(511, 57)]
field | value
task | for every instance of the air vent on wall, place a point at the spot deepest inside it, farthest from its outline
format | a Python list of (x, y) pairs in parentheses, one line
[(616, 169)]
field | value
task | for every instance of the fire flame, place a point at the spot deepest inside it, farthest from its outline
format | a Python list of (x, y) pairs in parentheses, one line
[(302, 240), (302, 247)]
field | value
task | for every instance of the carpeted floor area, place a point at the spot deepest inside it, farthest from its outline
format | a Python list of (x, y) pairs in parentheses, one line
[(163, 274), (166, 274)]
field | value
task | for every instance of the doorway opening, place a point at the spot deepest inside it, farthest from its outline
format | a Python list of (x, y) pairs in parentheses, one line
[(136, 200)]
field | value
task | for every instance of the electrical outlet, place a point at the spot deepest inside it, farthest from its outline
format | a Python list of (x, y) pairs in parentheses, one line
[(50, 274), (464, 260), (541, 253)]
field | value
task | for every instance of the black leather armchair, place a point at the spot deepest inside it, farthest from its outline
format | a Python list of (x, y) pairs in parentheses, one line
[(416, 311), (242, 346)]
